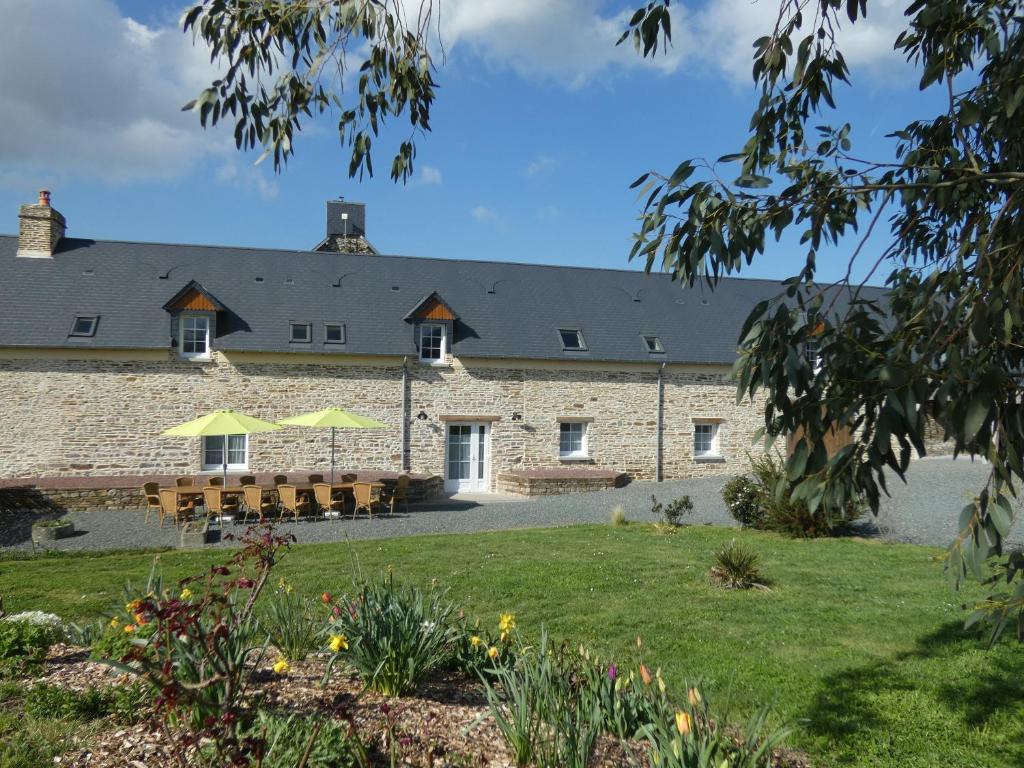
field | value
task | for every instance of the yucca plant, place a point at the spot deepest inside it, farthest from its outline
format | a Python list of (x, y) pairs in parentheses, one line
[(394, 635), (738, 567)]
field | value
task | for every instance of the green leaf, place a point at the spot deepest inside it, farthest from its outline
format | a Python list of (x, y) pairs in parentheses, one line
[(977, 414)]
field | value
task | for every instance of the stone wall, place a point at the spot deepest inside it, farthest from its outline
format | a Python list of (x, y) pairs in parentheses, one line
[(103, 415), (553, 482)]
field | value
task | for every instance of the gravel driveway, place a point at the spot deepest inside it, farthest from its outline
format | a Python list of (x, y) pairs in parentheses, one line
[(924, 511)]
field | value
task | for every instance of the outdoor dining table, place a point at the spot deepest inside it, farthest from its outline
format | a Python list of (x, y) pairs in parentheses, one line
[(197, 490)]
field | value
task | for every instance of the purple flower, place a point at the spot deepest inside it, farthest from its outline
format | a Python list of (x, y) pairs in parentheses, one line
[(613, 672)]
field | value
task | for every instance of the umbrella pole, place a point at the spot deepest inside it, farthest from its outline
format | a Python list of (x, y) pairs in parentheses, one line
[(332, 456)]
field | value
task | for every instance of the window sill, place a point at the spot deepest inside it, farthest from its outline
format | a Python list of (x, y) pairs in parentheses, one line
[(576, 459), (435, 363), (709, 459), (196, 358)]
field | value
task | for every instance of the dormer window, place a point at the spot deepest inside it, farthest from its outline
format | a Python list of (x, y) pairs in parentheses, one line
[(653, 344), (300, 333), (195, 336), (432, 338), (84, 325), (572, 340)]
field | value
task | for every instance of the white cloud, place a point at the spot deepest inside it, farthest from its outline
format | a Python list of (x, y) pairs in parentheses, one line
[(573, 41), (539, 164), (86, 91), (429, 176), (483, 213)]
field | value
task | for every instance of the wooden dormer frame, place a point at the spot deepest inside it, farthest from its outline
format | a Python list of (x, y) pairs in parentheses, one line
[(193, 298), (431, 308)]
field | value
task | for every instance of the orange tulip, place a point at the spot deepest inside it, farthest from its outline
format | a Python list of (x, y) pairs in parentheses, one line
[(684, 723), (645, 674)]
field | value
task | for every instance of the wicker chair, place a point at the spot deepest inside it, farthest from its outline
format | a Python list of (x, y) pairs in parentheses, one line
[(180, 481), (280, 479), (324, 500), (400, 493), (291, 502), (366, 497), (349, 477), (257, 500), (247, 480), (151, 491), (217, 504), (215, 480), (175, 506), (316, 478)]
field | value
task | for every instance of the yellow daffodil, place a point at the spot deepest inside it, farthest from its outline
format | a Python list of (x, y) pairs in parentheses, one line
[(693, 695), (186, 594), (129, 628), (507, 622), (475, 641), (281, 667), (684, 723), (338, 643), (492, 652)]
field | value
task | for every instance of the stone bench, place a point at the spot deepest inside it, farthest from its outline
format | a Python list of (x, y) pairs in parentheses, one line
[(545, 482)]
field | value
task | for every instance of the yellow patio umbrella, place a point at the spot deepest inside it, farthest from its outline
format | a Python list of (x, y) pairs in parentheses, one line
[(335, 418), (223, 422)]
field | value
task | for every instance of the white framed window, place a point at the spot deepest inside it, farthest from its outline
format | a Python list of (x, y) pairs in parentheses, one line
[(334, 333), (705, 440), (812, 354), (214, 447), (195, 336), (300, 333), (572, 440), (432, 343), (572, 340)]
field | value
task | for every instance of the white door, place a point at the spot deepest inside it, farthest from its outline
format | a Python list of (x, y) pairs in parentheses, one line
[(467, 457)]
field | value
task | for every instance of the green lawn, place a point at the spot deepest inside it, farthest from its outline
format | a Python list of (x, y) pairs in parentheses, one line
[(859, 643)]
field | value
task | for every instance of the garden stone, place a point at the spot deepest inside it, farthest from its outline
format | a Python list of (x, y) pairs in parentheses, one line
[(51, 530), (194, 534)]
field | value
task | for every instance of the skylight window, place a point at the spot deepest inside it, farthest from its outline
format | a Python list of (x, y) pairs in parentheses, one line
[(572, 340), (301, 333), (653, 344), (84, 325), (334, 333)]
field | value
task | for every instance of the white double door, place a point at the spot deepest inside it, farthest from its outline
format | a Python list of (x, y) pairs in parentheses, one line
[(467, 456)]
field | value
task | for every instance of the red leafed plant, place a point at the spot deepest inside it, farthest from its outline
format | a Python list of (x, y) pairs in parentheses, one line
[(199, 657)]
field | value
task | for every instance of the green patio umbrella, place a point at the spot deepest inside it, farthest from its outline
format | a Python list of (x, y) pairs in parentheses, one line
[(223, 422), (335, 418)]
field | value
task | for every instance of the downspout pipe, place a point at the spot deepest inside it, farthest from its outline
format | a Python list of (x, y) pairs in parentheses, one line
[(661, 414), (405, 415)]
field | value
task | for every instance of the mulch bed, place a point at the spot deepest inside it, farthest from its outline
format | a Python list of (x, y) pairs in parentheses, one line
[(445, 724)]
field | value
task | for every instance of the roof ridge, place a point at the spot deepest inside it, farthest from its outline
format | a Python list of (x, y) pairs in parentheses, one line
[(294, 251)]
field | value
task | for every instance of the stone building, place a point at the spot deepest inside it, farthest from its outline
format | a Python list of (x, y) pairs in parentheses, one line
[(493, 376)]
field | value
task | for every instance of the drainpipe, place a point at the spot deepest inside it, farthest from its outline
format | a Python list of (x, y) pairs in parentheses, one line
[(661, 411), (405, 415)]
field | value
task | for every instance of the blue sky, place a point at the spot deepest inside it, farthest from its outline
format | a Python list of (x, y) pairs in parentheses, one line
[(538, 129)]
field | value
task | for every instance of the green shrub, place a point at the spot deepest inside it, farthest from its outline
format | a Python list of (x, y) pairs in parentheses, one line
[(626, 701), (290, 621), (737, 567), (119, 639), (395, 635), (743, 500), (779, 512), (671, 515), (23, 646), (285, 741), (475, 649), (617, 517)]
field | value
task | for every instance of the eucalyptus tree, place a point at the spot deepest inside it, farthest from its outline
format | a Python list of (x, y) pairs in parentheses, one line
[(946, 343)]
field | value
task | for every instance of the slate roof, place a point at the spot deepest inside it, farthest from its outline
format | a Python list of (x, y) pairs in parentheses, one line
[(505, 310)]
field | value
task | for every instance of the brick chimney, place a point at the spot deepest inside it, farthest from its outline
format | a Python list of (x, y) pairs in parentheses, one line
[(40, 228)]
